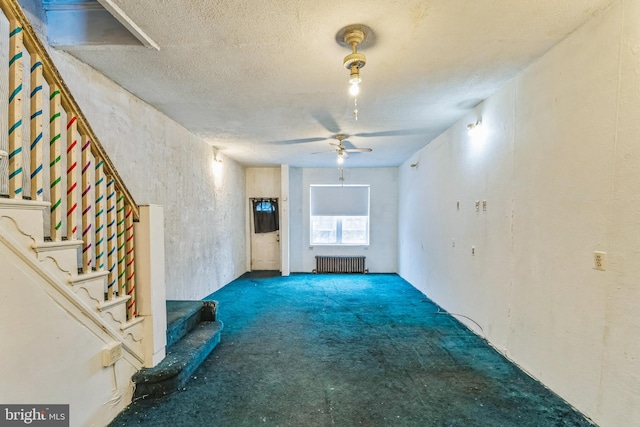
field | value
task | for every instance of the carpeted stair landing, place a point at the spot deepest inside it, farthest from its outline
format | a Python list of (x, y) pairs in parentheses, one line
[(192, 333)]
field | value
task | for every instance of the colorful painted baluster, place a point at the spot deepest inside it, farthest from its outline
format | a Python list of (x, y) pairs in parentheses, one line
[(131, 272), (36, 128), (112, 261), (87, 218), (101, 214), (55, 165), (15, 111), (122, 280), (72, 178)]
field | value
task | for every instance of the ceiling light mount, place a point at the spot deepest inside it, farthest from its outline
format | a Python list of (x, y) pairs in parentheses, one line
[(347, 35), (353, 36)]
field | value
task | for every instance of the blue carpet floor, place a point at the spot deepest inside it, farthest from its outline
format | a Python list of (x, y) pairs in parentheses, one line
[(348, 350)]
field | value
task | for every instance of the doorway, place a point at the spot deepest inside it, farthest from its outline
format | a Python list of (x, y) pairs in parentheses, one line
[(265, 234)]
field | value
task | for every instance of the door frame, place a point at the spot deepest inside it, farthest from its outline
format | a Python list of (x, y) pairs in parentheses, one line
[(251, 233)]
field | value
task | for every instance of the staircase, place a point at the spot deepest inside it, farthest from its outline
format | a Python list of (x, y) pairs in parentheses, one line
[(56, 264), (192, 333), (74, 329)]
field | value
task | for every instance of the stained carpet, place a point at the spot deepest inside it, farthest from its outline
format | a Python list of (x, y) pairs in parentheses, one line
[(348, 350)]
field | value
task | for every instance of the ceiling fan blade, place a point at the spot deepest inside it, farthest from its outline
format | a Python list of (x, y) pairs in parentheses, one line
[(347, 144), (324, 152), (398, 132), (298, 141), (359, 150), (326, 120)]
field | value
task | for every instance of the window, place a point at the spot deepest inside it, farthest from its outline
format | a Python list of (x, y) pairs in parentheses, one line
[(339, 214), (265, 215)]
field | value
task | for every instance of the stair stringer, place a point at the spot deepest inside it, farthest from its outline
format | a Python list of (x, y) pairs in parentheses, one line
[(60, 290)]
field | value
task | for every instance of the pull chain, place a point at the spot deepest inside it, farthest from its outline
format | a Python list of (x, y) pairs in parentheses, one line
[(355, 111)]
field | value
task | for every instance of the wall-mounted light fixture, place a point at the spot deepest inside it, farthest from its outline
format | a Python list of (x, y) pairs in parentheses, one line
[(215, 156), (474, 128)]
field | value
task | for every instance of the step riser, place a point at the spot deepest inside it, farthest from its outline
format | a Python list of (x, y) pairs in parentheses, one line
[(192, 334), (90, 291), (182, 328), (133, 333), (66, 259), (177, 330), (115, 312), (28, 221), (170, 384)]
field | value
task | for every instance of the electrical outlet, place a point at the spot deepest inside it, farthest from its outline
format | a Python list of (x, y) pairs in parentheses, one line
[(484, 205), (453, 243), (111, 353), (473, 251), (458, 205), (477, 205), (599, 260)]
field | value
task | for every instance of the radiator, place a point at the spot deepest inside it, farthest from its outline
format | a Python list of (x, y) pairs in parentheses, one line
[(340, 264)]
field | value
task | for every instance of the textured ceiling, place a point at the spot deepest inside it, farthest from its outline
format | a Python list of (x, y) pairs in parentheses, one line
[(258, 79)]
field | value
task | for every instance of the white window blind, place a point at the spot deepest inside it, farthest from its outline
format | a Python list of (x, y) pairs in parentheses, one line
[(347, 200)]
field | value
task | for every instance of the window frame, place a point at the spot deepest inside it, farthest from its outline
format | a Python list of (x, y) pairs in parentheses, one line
[(339, 220)]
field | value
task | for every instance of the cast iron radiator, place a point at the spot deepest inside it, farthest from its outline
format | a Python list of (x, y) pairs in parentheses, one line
[(340, 264)]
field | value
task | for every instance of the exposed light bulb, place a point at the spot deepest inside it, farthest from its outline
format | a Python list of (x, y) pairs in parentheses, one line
[(340, 159), (354, 89)]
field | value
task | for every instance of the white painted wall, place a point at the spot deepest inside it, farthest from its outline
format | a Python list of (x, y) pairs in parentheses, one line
[(284, 220), (381, 252), (560, 173), (162, 163), (263, 182)]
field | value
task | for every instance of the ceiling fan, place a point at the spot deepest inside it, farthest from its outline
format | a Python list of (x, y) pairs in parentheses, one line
[(342, 150)]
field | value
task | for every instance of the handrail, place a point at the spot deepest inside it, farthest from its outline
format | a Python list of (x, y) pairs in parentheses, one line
[(12, 9)]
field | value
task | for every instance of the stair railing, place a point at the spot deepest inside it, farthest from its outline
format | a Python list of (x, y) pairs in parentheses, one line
[(81, 179)]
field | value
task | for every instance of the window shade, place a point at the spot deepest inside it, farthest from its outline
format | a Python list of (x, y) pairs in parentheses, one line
[(348, 200)]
